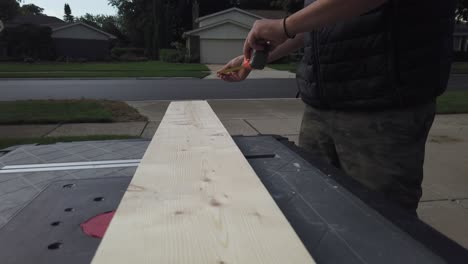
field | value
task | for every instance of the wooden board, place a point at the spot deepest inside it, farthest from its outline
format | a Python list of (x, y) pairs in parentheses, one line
[(195, 199)]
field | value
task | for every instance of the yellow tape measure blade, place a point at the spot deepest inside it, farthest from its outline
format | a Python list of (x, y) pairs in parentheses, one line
[(234, 69)]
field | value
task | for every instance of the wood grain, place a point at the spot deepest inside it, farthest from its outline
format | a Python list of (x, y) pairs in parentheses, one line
[(195, 199)]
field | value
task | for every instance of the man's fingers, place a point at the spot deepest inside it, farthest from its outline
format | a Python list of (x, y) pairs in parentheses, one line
[(223, 68), (232, 77), (227, 66), (229, 78), (253, 42), (227, 74), (257, 43), (236, 76), (247, 48), (257, 46)]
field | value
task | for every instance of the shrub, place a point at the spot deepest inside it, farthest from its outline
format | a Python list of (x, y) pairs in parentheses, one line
[(29, 60), (176, 55), (132, 57), (193, 59), (118, 52), (128, 54), (82, 60), (70, 60), (29, 41), (168, 55)]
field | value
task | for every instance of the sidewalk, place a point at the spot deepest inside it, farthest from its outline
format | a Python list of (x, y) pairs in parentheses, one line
[(444, 204), (267, 73), (240, 117), (73, 130)]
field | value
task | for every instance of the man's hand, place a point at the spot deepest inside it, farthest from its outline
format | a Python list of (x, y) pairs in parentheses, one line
[(265, 32), (237, 76)]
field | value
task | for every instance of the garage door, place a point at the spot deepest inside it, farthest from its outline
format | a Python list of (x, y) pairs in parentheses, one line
[(220, 51)]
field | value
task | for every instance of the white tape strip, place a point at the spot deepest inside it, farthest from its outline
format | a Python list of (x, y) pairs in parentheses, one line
[(84, 163)]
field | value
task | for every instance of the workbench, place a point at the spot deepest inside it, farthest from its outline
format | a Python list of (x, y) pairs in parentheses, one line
[(337, 220)]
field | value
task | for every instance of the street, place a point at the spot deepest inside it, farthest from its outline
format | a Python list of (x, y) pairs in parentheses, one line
[(154, 89), (159, 89)]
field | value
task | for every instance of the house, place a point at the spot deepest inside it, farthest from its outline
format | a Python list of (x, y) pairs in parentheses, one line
[(80, 40), (220, 37), (3, 45), (460, 38), (74, 40)]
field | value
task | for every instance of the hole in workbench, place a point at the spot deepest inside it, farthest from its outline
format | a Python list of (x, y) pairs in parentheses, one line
[(56, 223), (69, 186), (69, 209), (264, 156), (55, 246), (98, 199)]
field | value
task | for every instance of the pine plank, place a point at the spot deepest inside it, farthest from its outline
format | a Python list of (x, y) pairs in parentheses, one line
[(195, 199)]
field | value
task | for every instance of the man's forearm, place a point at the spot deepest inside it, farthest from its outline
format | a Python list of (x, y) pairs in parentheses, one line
[(326, 12), (286, 48)]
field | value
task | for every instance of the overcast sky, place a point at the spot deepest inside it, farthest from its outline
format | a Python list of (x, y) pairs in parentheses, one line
[(79, 7)]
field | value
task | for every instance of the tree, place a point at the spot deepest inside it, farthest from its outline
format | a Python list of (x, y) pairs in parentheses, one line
[(98, 21), (154, 24), (142, 22), (30, 41), (31, 9), (462, 10), (68, 17), (109, 24), (257, 4), (213, 6), (290, 6), (8, 9)]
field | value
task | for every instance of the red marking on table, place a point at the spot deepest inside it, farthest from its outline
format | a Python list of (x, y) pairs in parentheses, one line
[(97, 226)]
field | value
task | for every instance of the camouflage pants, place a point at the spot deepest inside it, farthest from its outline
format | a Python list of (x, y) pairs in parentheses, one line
[(382, 150)]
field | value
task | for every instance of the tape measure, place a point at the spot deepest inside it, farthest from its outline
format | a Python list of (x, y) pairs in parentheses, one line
[(258, 61)]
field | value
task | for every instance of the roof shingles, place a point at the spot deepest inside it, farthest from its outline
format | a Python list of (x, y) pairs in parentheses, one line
[(36, 20)]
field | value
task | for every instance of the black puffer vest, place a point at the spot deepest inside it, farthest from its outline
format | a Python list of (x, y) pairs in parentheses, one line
[(398, 55)]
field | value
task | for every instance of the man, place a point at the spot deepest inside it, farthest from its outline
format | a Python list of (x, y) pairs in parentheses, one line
[(370, 75)]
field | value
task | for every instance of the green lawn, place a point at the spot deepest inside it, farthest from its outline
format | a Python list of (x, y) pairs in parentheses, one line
[(8, 142), (66, 111), (117, 69), (453, 103)]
